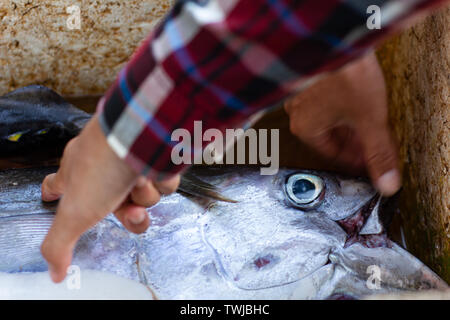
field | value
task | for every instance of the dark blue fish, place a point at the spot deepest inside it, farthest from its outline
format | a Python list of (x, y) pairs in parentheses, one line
[(35, 119)]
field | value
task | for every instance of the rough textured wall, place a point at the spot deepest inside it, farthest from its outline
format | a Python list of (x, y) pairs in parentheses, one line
[(36, 46), (417, 70)]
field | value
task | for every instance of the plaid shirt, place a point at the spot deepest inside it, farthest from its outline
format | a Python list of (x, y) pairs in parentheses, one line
[(220, 61)]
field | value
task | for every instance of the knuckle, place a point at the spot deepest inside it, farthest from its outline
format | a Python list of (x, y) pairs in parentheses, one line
[(87, 214), (145, 197), (48, 251), (171, 188), (147, 200), (168, 186), (382, 160), (373, 114), (288, 105), (45, 250), (295, 128), (52, 185), (379, 118), (292, 127), (70, 146), (154, 200), (304, 129)]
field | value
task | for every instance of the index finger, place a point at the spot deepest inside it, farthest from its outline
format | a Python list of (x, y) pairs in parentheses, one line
[(67, 227)]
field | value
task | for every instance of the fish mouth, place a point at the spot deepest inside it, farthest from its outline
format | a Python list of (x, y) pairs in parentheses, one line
[(369, 225)]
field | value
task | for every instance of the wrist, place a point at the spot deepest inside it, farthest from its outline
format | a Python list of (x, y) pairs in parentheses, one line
[(94, 147)]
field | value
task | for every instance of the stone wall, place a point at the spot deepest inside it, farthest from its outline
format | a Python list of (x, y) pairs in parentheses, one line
[(37, 45), (417, 69)]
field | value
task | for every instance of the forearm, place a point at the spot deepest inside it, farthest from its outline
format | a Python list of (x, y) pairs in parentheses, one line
[(223, 61)]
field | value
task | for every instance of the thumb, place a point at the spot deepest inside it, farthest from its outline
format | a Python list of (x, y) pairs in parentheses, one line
[(381, 157), (52, 187)]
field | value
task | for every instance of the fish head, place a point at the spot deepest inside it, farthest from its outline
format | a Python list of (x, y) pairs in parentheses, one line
[(314, 231), (281, 228)]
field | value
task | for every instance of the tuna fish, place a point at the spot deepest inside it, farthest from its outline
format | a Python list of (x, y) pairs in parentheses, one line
[(228, 233), (36, 120), (295, 235)]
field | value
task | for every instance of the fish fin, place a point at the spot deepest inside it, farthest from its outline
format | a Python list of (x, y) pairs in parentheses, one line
[(192, 185), (37, 95), (34, 93)]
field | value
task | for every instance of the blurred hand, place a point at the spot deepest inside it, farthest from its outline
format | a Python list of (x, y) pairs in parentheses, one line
[(91, 182), (344, 117)]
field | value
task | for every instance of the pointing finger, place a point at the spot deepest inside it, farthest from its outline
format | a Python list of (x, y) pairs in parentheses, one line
[(95, 184), (69, 224)]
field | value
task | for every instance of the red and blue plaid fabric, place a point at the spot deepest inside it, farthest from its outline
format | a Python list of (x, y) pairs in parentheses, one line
[(220, 61)]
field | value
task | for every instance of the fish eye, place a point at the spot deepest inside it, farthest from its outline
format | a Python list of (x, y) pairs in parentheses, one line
[(304, 190)]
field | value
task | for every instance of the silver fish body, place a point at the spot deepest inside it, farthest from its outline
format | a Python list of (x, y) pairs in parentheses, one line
[(263, 246)]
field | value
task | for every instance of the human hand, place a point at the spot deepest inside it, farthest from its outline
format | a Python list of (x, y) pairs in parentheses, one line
[(91, 182), (345, 117)]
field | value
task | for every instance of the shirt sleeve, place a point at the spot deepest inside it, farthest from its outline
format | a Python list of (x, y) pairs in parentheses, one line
[(220, 61)]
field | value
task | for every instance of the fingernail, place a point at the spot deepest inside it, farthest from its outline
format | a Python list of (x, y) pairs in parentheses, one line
[(137, 219), (47, 196), (141, 182), (53, 274), (389, 183)]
